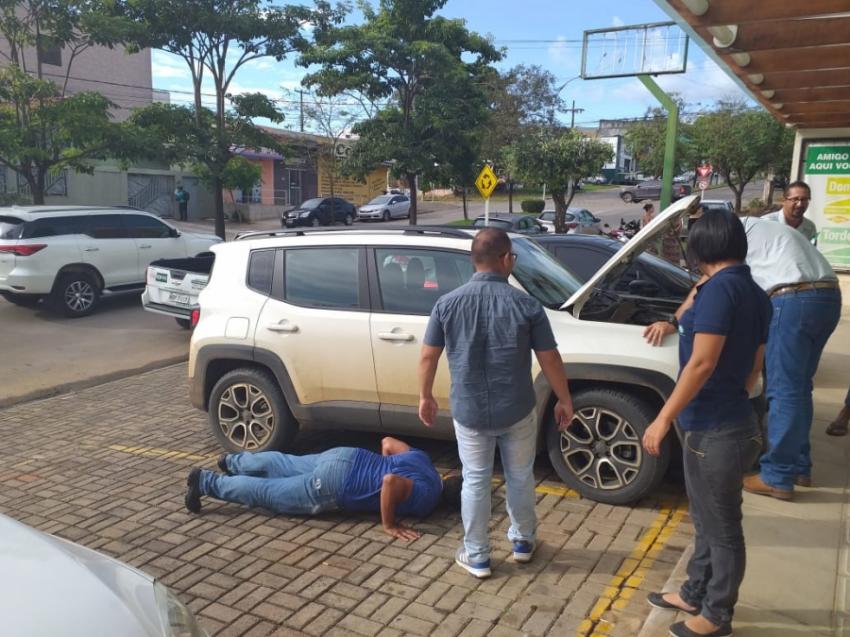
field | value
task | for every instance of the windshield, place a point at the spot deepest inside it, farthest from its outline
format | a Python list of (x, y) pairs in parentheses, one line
[(380, 201), (10, 227), (311, 203), (670, 276), (541, 275), (494, 223)]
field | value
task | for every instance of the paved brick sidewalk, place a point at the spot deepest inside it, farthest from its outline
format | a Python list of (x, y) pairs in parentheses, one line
[(106, 467)]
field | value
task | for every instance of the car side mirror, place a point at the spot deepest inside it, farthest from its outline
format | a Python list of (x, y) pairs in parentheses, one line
[(642, 287), (173, 233), (596, 220)]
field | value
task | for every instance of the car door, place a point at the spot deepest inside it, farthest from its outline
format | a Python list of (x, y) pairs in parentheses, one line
[(587, 222), (317, 323), (405, 283), (402, 206), (154, 240), (107, 247)]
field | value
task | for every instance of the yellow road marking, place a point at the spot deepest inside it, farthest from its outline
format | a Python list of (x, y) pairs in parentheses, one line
[(622, 586), (161, 453)]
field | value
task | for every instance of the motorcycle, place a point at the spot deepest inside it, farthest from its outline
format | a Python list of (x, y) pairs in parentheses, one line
[(626, 231)]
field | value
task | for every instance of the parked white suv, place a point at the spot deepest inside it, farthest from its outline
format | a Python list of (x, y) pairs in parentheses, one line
[(70, 255), (303, 329)]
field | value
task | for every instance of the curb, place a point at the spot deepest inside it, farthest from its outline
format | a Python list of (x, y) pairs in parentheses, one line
[(66, 388), (658, 621)]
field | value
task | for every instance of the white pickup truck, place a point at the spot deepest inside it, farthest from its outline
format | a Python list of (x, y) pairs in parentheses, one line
[(172, 287)]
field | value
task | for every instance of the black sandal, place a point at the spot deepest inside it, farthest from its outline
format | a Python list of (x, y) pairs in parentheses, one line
[(656, 600)]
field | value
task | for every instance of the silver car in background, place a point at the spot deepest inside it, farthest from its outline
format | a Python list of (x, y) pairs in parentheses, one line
[(385, 207), (578, 221), (51, 586)]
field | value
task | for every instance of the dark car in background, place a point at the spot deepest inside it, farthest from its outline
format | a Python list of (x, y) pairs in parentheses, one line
[(321, 211), (651, 189), (648, 289), (522, 224)]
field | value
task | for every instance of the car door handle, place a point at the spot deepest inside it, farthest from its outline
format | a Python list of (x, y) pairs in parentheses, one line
[(92, 249), (144, 247), (400, 337), (283, 326)]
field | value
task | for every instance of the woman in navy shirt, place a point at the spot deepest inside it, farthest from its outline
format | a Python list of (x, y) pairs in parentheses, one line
[(722, 332)]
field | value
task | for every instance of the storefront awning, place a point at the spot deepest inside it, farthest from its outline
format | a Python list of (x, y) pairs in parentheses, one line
[(793, 56)]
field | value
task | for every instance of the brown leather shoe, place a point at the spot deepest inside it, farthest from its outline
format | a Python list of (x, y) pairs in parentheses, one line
[(803, 481), (754, 484)]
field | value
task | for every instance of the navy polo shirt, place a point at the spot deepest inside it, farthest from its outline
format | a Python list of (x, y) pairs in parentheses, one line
[(489, 328), (731, 304)]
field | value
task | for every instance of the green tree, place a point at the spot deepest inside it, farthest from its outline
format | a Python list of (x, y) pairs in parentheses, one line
[(429, 68), (43, 129), (646, 140), (518, 98), (559, 159), (217, 38), (740, 143)]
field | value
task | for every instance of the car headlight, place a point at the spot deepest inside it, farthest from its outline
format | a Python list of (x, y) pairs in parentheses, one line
[(304, 214), (177, 620)]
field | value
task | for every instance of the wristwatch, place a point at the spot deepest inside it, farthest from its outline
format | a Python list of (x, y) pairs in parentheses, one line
[(674, 322)]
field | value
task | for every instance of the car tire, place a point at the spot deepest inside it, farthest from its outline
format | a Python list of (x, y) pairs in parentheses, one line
[(247, 412), (600, 454), (75, 294), (348, 219), (315, 222), (627, 197), (386, 216), (186, 324), (21, 300)]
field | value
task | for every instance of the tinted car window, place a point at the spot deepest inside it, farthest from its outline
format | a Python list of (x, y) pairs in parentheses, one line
[(142, 227), (496, 223), (548, 216), (106, 227), (585, 262), (411, 281), (53, 227), (323, 277), (261, 270), (10, 227), (541, 275)]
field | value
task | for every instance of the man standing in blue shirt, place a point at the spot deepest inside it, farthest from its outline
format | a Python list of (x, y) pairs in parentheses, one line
[(400, 481), (488, 329)]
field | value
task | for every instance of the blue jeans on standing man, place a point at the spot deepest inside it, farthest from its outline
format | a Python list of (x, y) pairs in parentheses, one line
[(801, 325), (279, 482), (476, 448)]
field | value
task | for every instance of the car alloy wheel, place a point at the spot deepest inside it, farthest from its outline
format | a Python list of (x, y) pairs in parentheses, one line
[(601, 448), (75, 294), (386, 216), (245, 416), (79, 296), (315, 222), (349, 220)]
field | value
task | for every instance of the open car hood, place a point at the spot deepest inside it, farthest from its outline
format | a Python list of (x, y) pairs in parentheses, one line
[(615, 266)]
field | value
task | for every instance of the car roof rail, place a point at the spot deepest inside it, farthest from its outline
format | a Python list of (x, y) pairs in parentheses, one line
[(445, 231)]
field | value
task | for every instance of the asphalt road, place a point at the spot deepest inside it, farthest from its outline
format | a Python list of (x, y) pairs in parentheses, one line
[(43, 354)]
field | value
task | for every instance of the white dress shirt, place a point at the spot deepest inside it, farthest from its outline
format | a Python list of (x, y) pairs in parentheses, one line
[(807, 227), (779, 255)]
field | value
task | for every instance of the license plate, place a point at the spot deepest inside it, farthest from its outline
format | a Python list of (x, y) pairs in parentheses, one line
[(180, 299)]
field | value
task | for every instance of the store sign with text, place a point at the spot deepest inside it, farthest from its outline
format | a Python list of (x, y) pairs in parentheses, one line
[(827, 171)]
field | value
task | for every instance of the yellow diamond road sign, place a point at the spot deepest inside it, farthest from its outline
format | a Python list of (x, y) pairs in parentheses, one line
[(486, 182)]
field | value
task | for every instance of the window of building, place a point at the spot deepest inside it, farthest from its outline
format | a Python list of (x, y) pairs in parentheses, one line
[(50, 53), (293, 178)]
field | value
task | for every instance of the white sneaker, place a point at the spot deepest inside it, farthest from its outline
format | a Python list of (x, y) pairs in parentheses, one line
[(481, 570)]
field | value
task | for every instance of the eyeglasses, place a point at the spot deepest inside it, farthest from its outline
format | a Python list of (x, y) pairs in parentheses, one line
[(798, 199)]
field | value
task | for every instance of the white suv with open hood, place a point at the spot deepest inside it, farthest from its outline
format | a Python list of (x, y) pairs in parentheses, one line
[(303, 329)]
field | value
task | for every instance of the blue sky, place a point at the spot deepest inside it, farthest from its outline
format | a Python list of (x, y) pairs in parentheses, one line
[(543, 32)]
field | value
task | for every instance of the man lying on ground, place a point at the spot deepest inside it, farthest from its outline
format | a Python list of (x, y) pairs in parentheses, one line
[(400, 481)]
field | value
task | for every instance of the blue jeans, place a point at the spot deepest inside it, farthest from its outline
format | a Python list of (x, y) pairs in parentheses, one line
[(296, 485), (715, 462), (802, 323), (476, 448)]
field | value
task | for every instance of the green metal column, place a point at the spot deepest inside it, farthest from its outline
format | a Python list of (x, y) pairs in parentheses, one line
[(670, 143)]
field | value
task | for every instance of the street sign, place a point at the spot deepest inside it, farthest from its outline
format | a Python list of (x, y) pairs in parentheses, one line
[(704, 171), (486, 181), (702, 185)]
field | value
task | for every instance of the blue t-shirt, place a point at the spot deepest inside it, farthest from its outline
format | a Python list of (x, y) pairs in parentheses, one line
[(362, 488), (730, 304)]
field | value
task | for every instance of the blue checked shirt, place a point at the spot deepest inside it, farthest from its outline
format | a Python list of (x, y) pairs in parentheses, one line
[(488, 328)]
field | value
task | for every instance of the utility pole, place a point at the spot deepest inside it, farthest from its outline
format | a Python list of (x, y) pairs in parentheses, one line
[(301, 96), (573, 112)]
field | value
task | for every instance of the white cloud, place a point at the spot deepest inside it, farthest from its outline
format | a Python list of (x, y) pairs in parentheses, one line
[(560, 53)]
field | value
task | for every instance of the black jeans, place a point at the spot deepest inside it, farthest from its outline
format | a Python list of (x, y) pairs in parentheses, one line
[(715, 463)]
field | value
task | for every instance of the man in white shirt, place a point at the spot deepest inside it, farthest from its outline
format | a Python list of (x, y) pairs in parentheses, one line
[(806, 302), (795, 202)]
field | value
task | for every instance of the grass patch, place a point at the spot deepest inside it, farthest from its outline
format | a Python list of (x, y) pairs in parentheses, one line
[(595, 187), (463, 223)]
